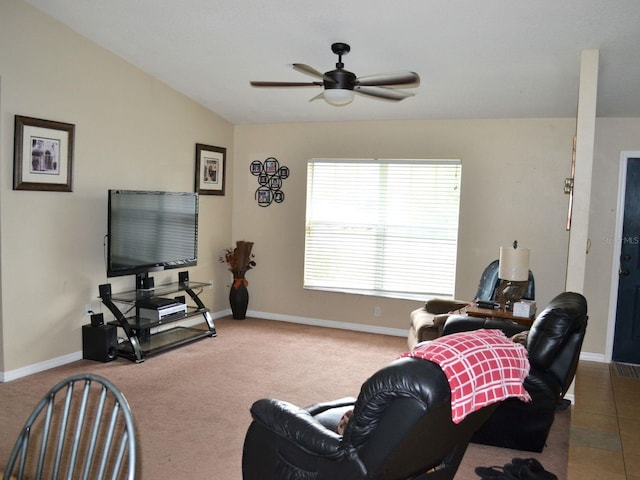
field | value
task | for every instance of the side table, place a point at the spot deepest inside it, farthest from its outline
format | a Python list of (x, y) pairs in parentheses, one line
[(475, 311)]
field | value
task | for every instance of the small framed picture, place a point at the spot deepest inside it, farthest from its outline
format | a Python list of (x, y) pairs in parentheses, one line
[(256, 168), (275, 183), (42, 155), (271, 166), (278, 196), (210, 169), (283, 172)]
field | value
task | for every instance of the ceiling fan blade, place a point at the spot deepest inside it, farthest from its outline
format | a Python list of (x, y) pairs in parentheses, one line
[(382, 92), (320, 96), (404, 79), (286, 84), (302, 68)]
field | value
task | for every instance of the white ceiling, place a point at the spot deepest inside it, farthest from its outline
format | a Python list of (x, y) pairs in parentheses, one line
[(476, 58)]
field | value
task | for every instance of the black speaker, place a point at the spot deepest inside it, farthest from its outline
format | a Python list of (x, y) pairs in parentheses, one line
[(97, 320), (183, 277), (105, 290), (99, 343)]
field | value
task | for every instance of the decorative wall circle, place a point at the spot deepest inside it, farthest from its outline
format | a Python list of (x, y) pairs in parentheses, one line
[(270, 177)]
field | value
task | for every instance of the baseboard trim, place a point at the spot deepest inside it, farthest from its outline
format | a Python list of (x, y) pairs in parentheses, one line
[(593, 357), (358, 327), (318, 322), (40, 367), (11, 375)]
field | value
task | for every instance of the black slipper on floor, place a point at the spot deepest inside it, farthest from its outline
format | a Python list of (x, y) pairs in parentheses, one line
[(528, 469), (494, 473)]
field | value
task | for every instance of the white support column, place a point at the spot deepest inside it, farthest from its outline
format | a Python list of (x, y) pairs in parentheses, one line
[(585, 133)]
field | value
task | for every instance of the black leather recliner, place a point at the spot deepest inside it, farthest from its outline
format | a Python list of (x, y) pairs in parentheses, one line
[(400, 429), (553, 343)]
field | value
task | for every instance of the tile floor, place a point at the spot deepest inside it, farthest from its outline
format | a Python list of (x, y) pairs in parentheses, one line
[(605, 425)]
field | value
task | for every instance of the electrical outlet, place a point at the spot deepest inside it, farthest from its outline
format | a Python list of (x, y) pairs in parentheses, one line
[(377, 312), (88, 309)]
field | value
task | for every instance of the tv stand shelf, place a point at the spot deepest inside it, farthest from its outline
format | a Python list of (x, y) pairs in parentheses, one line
[(146, 337)]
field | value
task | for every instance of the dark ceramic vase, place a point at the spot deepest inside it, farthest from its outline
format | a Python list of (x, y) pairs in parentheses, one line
[(239, 298)]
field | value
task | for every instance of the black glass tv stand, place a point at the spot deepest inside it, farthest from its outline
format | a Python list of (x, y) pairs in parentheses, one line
[(146, 336)]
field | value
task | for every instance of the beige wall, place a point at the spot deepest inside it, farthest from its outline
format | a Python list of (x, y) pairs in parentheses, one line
[(134, 132), (131, 132), (512, 178)]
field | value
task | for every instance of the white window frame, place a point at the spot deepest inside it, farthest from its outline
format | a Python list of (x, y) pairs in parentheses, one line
[(413, 204)]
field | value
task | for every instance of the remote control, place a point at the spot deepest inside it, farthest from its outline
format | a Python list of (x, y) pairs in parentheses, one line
[(485, 304)]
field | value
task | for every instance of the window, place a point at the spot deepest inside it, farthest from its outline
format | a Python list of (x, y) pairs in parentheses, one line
[(382, 227)]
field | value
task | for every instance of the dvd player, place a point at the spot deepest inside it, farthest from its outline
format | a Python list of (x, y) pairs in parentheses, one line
[(157, 308)]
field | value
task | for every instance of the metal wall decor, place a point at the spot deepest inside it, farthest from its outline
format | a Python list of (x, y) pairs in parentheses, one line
[(270, 176)]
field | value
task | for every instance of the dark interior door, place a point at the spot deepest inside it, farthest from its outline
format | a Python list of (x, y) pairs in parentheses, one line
[(626, 342)]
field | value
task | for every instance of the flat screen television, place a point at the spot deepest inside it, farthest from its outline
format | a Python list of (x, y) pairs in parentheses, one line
[(150, 231)]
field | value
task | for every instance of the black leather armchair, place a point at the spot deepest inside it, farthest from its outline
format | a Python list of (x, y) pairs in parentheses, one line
[(401, 428), (553, 343)]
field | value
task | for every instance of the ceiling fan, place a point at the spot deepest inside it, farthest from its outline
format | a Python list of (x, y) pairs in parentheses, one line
[(340, 84)]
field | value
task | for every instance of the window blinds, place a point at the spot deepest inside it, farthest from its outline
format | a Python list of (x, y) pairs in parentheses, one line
[(382, 227)]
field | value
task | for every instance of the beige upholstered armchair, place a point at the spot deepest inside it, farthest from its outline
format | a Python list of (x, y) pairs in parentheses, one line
[(427, 322)]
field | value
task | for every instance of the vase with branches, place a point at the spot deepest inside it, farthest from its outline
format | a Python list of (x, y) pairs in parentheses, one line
[(239, 260)]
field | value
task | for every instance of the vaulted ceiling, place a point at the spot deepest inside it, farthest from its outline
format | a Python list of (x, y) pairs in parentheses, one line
[(476, 59)]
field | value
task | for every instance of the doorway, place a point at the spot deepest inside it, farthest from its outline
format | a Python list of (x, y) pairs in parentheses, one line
[(626, 336)]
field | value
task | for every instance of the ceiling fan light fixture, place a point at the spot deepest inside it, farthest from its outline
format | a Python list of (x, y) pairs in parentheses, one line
[(338, 96), (339, 85)]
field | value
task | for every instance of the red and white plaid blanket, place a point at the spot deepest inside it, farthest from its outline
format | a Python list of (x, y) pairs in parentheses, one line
[(482, 367)]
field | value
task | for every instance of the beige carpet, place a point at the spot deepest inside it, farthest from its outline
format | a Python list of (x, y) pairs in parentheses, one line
[(191, 405)]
